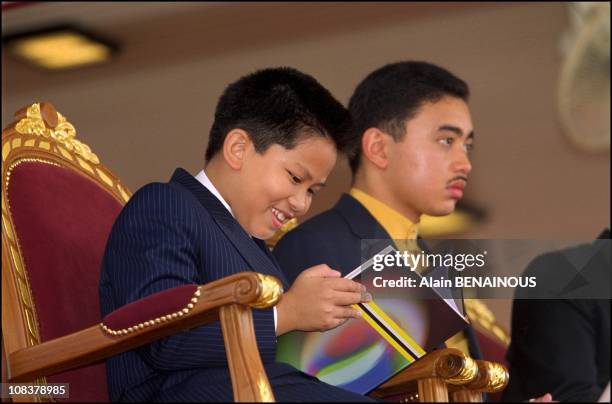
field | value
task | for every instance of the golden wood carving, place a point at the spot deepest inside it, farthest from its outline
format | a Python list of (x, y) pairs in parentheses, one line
[(433, 389), (466, 396), (271, 291), (492, 377), (39, 135), (14, 251), (288, 226), (218, 300), (459, 368), (249, 380), (440, 369), (481, 315), (63, 131), (498, 377)]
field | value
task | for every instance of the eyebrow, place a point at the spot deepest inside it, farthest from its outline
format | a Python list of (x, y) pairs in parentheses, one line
[(456, 130), (308, 176)]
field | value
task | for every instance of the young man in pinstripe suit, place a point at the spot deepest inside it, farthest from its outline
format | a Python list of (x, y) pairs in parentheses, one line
[(272, 145)]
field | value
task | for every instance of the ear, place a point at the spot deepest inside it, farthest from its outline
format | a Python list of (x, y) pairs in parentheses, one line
[(374, 146), (235, 148)]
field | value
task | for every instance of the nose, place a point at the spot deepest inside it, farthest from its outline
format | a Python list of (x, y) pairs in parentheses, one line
[(299, 203), (461, 163)]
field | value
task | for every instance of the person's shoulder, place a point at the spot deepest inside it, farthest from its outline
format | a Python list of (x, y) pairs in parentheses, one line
[(159, 191), (154, 189), (574, 272), (553, 262), (563, 261), (163, 198)]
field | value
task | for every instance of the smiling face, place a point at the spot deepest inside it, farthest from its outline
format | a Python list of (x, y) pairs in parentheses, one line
[(279, 183), (428, 169)]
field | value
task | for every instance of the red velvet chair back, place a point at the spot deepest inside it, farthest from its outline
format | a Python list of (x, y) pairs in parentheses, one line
[(58, 207)]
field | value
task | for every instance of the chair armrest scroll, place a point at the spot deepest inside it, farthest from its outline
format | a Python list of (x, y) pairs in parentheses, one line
[(432, 374), (99, 342), (492, 377)]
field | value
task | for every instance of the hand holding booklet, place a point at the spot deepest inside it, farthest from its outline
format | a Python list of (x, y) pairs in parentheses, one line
[(397, 327)]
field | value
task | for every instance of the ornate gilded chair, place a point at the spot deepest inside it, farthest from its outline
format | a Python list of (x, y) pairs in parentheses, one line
[(58, 205), (446, 374)]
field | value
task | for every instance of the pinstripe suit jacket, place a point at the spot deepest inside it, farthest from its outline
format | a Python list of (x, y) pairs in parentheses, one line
[(171, 234)]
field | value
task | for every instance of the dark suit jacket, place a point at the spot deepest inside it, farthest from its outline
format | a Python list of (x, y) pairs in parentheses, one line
[(562, 346), (334, 237), (171, 234)]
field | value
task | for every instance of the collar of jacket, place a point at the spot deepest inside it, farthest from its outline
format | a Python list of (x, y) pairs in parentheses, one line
[(258, 260)]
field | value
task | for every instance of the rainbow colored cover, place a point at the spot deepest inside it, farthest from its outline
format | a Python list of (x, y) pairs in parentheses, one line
[(360, 355)]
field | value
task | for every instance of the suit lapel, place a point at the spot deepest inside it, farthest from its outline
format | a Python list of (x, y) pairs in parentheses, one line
[(366, 227), (369, 233), (255, 256)]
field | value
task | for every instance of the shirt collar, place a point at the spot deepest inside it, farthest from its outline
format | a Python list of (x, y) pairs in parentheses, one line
[(204, 180), (397, 225)]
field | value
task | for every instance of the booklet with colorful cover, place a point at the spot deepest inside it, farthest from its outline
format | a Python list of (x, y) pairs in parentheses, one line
[(397, 328)]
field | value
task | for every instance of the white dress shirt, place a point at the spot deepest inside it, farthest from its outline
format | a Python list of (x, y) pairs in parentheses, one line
[(204, 180)]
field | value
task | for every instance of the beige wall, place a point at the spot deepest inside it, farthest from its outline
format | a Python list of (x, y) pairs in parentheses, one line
[(150, 110)]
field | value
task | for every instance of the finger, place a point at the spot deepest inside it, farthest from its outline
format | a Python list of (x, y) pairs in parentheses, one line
[(346, 313), (337, 323), (342, 322), (543, 399), (347, 298), (346, 285), (322, 271), (546, 398)]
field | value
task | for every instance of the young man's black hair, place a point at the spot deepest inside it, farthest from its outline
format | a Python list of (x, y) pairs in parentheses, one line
[(389, 96), (278, 106)]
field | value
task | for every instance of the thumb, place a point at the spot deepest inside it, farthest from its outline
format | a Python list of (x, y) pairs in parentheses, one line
[(322, 271)]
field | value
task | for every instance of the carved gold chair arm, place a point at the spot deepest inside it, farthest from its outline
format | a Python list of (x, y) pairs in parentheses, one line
[(228, 299), (429, 378), (492, 377)]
